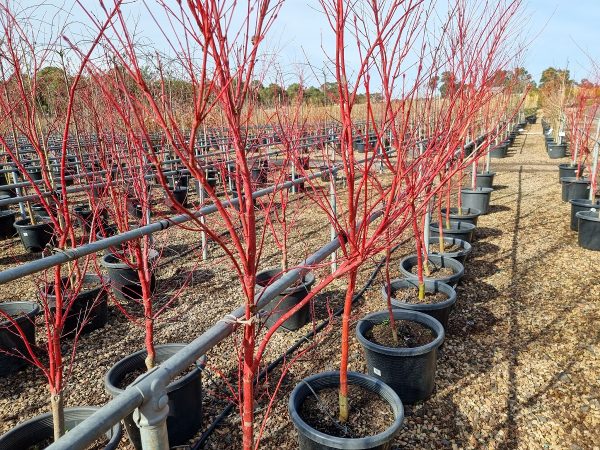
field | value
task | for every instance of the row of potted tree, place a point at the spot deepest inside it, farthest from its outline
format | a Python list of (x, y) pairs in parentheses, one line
[(392, 179)]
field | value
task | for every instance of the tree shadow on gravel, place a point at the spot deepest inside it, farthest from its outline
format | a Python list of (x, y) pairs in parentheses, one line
[(483, 249), (19, 259), (498, 208), (416, 416), (500, 187), (326, 303), (471, 291), (487, 232), (480, 268)]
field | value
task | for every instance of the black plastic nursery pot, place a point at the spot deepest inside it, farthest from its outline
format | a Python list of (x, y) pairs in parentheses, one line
[(10, 341), (439, 311), (485, 179), (435, 261), (589, 230), (311, 439), (573, 188), (89, 307), (478, 198), (4, 196), (569, 170), (410, 372), (185, 394), (124, 280), (135, 210), (35, 173), (460, 254), (500, 151), (557, 151), (299, 187), (288, 299), (34, 237), (180, 194), (31, 433), (464, 231), (7, 220), (581, 204), (39, 210), (107, 231), (468, 215), (85, 217)]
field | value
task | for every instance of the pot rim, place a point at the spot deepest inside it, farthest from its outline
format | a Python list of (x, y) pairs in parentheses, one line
[(8, 212), (378, 387), (466, 227), (466, 246), (113, 390), (26, 223), (478, 190), (152, 254), (374, 318), (570, 165), (574, 180), (591, 215), (116, 429), (457, 275), (30, 313), (307, 281), (585, 202), (469, 215), (436, 285)]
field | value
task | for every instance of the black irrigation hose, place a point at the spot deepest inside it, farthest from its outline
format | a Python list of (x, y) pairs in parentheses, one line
[(263, 373)]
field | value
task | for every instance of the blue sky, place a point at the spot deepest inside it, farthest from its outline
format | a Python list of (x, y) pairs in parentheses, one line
[(557, 27), (564, 25)]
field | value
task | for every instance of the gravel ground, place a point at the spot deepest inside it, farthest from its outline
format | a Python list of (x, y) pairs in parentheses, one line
[(520, 367)]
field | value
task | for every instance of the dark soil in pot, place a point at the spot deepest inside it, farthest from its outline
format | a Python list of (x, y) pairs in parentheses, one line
[(89, 306), (438, 264), (288, 299), (185, 394), (581, 204), (370, 413), (459, 230), (589, 230), (573, 188), (410, 334), (10, 341), (37, 433), (7, 220), (439, 300), (34, 237), (410, 371), (376, 413)]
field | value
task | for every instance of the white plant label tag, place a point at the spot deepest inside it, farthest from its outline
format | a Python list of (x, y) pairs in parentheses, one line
[(376, 371), (562, 134), (25, 233)]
